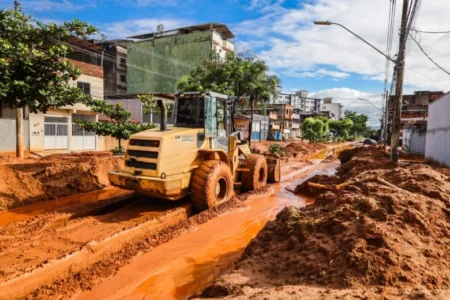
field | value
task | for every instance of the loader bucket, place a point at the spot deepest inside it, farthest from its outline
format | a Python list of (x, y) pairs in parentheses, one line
[(274, 168)]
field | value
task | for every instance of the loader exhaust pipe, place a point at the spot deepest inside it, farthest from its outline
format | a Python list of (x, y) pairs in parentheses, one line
[(163, 109)]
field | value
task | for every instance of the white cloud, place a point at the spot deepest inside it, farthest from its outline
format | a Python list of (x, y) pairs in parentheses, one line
[(128, 28), (295, 46), (349, 99), (320, 73)]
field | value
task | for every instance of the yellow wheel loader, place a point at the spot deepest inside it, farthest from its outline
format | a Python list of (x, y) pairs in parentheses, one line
[(198, 156)]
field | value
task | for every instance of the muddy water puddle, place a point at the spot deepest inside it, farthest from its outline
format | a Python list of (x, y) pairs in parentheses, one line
[(183, 266)]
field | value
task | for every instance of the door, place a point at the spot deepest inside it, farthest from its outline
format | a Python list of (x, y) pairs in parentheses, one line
[(82, 139), (56, 133)]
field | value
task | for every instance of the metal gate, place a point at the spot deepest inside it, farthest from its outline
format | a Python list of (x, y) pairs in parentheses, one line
[(56, 133), (82, 139)]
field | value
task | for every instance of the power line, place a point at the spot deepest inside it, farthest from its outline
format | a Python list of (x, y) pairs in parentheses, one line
[(423, 51), (432, 32)]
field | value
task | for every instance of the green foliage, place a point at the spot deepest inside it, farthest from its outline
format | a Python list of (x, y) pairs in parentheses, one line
[(119, 127), (359, 127), (118, 151), (33, 71), (276, 149), (315, 129), (341, 128), (151, 104), (240, 75)]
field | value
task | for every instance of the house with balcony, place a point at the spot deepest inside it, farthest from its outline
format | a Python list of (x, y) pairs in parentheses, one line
[(415, 109), (157, 60)]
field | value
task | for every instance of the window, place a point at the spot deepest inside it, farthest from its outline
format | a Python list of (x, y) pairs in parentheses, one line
[(123, 78), (85, 87), (190, 112), (123, 61)]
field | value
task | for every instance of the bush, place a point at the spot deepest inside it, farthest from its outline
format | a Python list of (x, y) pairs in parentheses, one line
[(118, 151), (276, 149), (350, 139)]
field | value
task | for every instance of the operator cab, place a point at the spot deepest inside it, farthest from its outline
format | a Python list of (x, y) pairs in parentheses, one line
[(206, 110)]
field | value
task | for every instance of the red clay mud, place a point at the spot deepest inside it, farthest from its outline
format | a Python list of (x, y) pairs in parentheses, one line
[(34, 180), (385, 234)]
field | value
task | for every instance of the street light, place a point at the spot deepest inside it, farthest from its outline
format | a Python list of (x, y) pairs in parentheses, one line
[(361, 99), (328, 23)]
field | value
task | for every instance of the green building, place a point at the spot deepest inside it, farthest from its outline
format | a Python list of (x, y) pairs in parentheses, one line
[(156, 61)]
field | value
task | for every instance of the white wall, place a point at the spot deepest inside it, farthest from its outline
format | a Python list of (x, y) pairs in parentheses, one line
[(438, 132), (8, 135), (414, 140), (334, 108)]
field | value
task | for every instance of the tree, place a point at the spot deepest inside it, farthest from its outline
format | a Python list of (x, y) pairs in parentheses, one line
[(314, 129), (33, 71), (341, 128), (151, 104), (239, 75), (119, 127), (359, 127)]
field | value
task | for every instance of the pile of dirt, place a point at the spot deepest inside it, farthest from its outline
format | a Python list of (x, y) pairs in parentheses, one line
[(39, 179), (386, 230), (289, 150)]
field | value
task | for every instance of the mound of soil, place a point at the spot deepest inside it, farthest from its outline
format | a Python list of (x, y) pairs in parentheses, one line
[(289, 150), (34, 180), (388, 229)]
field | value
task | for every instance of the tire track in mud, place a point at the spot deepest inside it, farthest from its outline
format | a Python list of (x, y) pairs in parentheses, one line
[(79, 280)]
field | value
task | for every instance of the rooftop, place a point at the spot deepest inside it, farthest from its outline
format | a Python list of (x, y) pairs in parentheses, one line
[(219, 27)]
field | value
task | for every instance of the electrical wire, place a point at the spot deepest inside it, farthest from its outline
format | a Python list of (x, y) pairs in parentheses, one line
[(432, 32), (423, 51)]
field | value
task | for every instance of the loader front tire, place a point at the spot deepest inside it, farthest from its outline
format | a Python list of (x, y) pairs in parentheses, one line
[(211, 184), (256, 178)]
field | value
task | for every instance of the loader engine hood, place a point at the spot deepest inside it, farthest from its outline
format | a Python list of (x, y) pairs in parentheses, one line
[(163, 154)]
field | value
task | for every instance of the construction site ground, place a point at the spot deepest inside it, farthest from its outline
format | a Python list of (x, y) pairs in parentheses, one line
[(376, 230), (65, 233)]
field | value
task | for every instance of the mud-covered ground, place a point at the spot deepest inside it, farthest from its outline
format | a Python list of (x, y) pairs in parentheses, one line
[(377, 230), (34, 180), (31, 243)]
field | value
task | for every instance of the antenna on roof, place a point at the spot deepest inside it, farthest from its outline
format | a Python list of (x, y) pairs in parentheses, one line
[(160, 28)]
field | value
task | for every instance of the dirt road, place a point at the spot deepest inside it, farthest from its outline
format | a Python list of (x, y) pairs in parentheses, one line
[(186, 264), (57, 249)]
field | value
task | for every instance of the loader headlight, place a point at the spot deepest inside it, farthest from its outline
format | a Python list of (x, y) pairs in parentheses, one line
[(163, 176)]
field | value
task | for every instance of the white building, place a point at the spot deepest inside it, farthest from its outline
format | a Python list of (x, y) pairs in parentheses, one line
[(57, 129), (438, 132), (334, 108), (299, 101)]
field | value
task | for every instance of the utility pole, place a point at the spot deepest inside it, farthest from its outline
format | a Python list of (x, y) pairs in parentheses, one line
[(19, 113), (400, 67), (386, 118)]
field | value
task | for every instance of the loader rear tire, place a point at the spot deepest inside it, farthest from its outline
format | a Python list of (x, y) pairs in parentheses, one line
[(211, 184), (256, 178)]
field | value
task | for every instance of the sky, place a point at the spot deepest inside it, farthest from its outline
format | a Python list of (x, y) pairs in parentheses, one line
[(327, 61)]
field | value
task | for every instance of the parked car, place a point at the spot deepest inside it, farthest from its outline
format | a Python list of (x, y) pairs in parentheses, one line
[(369, 142)]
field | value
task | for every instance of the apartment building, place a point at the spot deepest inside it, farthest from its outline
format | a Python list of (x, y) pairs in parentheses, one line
[(115, 55), (157, 60), (335, 109), (299, 100)]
